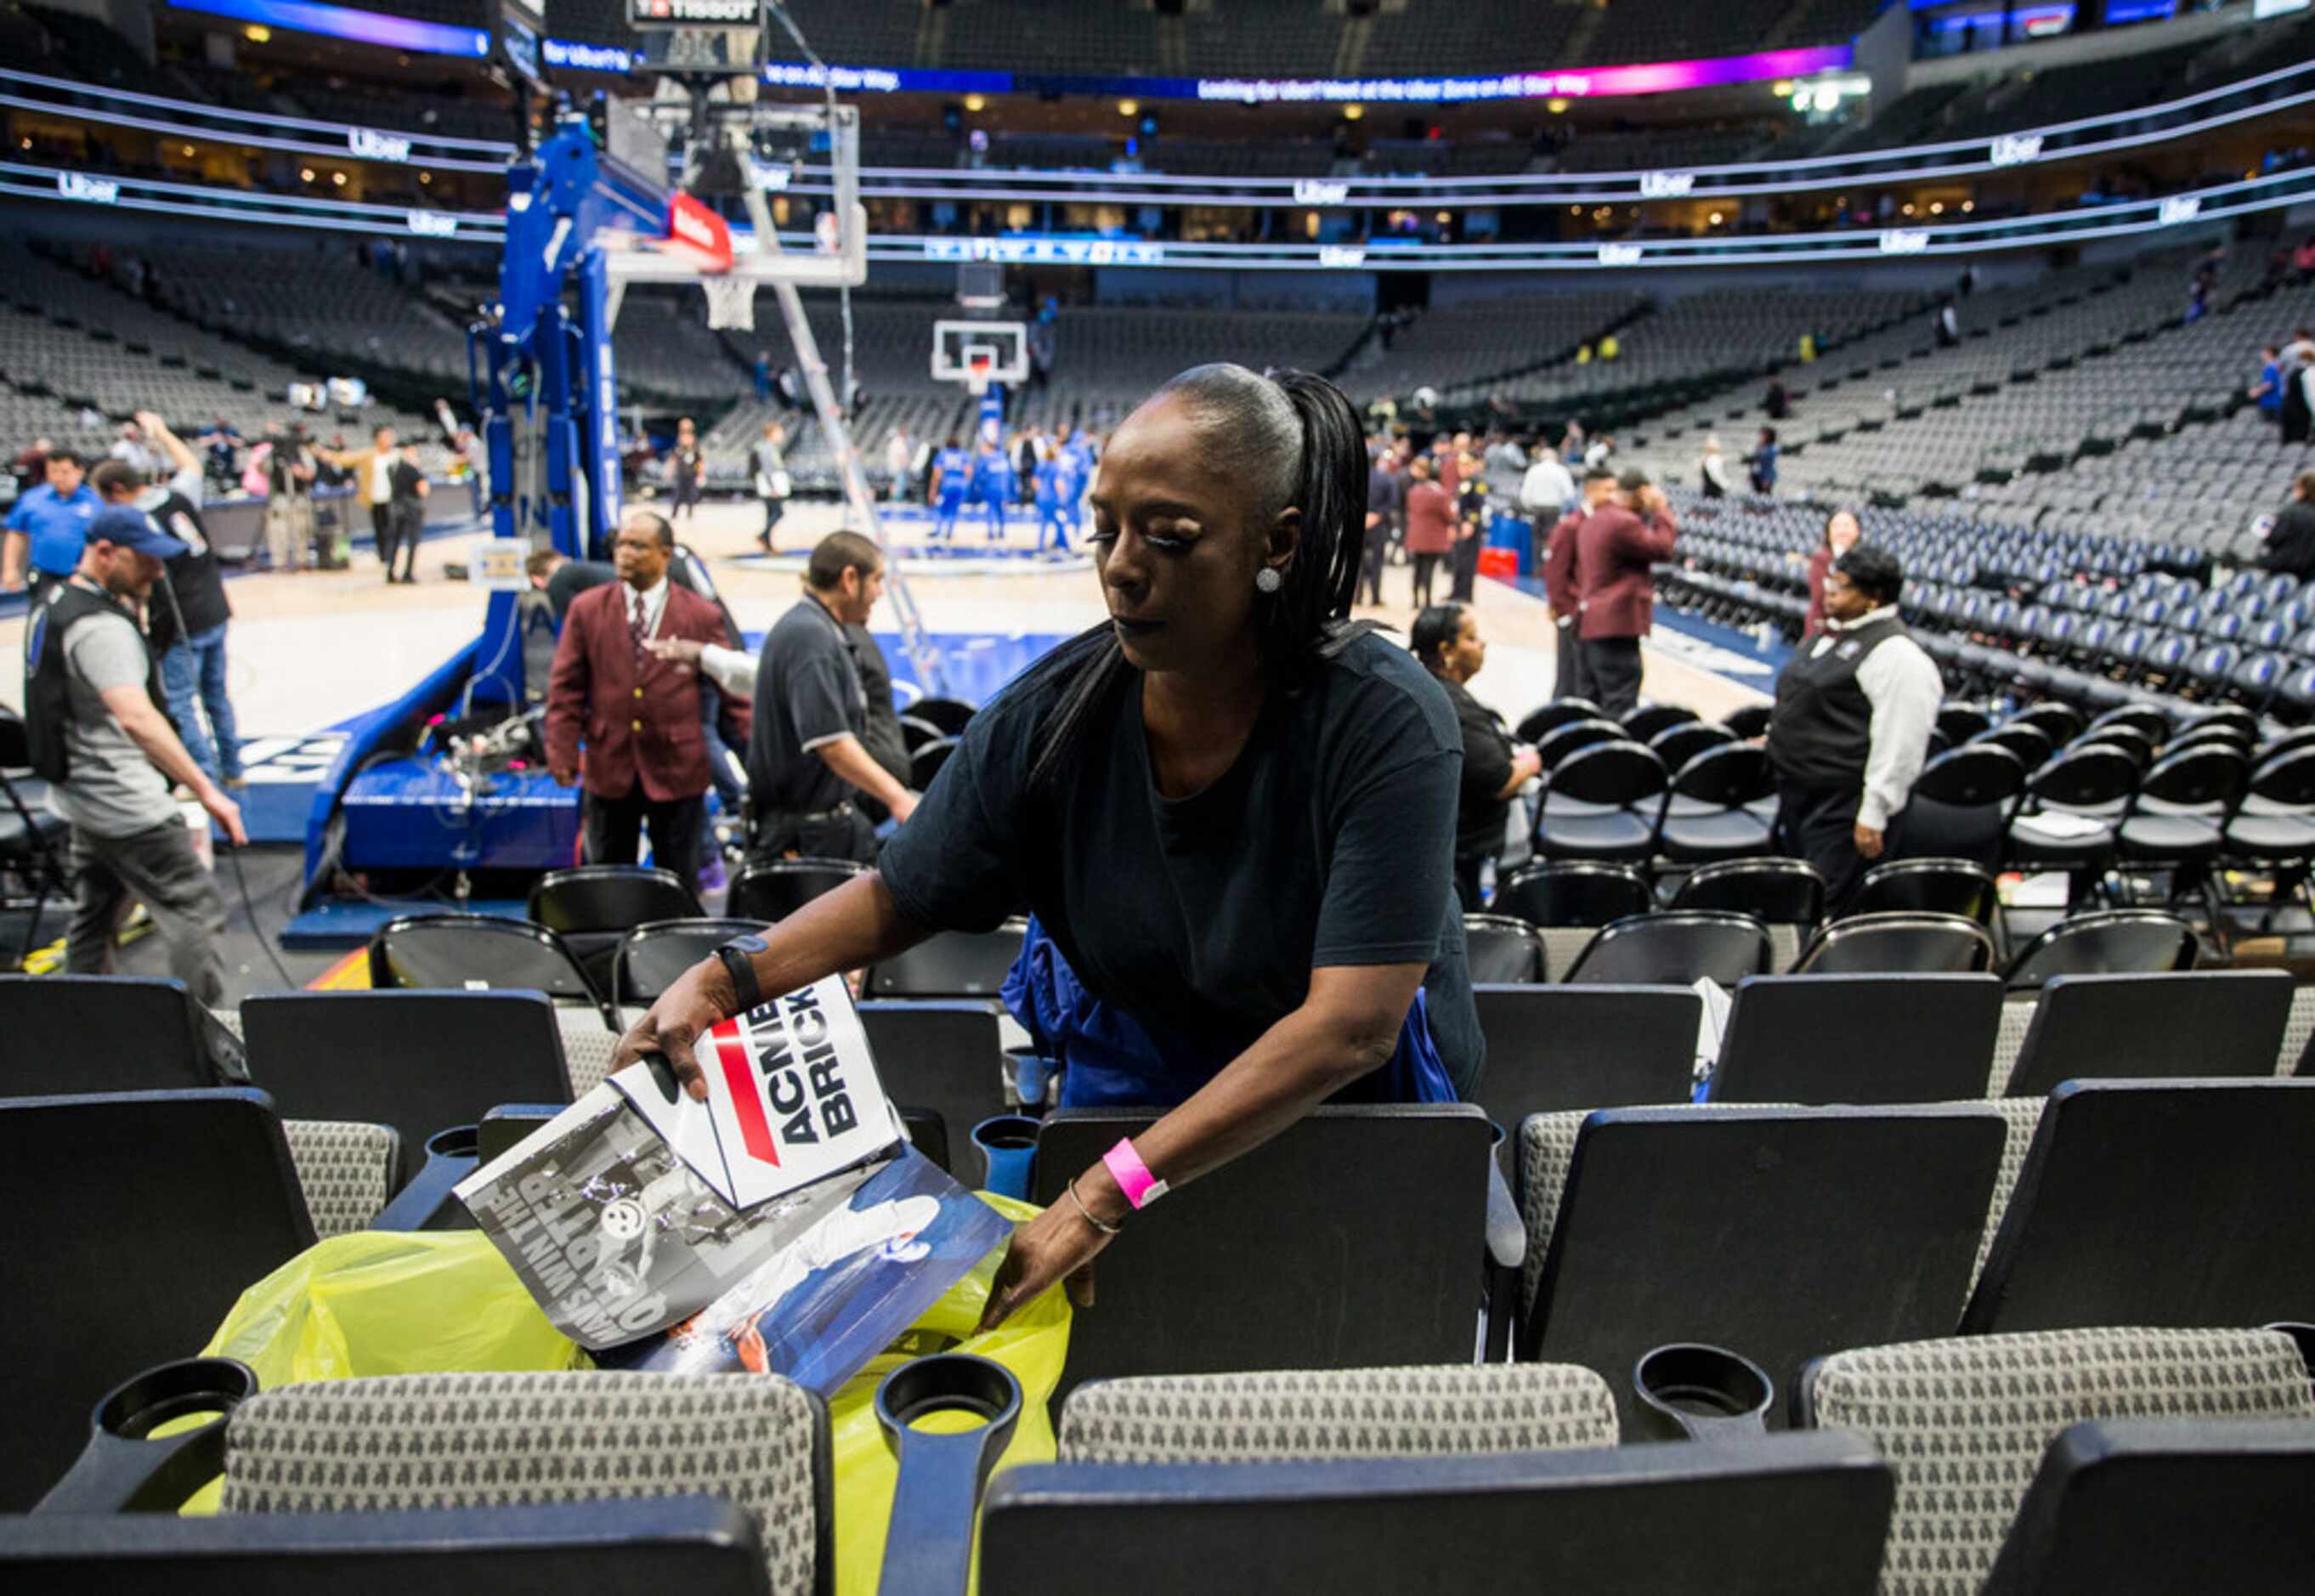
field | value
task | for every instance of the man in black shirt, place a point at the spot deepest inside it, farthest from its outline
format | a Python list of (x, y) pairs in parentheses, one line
[(2291, 541), (185, 616), (808, 759), (408, 508)]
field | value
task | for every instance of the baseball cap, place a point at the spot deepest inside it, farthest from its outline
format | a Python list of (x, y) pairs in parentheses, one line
[(133, 528)]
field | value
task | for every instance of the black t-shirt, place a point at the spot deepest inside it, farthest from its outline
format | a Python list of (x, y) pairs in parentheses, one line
[(193, 576), (2291, 545), (1330, 841), (405, 478), (808, 694), (882, 734), (1483, 812)]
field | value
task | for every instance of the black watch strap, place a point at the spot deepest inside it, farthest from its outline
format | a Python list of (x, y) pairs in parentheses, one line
[(739, 962)]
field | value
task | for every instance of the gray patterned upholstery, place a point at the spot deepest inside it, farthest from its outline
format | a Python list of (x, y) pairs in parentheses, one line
[(587, 1045), (2009, 1040), (1313, 1415), (345, 1169), (230, 1018), (2020, 1116), (1783, 947), (1547, 1145), (1964, 1423), (505, 1439), (1561, 945), (2297, 1029)]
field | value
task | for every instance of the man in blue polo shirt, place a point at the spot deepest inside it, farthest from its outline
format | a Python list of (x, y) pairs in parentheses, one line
[(53, 519)]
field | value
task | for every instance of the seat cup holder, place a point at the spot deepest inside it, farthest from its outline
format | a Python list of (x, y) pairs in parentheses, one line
[(459, 1141), (1009, 1153), (1692, 1392), (124, 1468), (929, 1545)]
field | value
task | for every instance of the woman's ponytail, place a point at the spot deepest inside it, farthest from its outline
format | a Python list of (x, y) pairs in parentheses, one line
[(1303, 622)]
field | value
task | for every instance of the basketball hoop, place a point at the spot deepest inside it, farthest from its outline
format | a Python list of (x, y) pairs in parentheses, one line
[(731, 301)]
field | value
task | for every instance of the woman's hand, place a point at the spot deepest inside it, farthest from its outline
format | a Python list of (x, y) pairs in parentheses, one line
[(1058, 1245), (701, 998)]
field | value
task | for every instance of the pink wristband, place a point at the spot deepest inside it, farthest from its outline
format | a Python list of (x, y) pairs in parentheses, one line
[(1133, 1177)]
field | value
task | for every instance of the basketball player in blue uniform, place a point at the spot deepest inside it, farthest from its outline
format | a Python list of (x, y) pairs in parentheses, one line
[(1054, 481), (992, 484), (952, 476)]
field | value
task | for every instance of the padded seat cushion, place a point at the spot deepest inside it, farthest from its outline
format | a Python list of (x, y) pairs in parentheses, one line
[(2272, 835), (1617, 834), (2168, 837)]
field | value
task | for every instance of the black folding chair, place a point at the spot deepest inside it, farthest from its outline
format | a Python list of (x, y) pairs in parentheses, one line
[(32, 839), (1544, 719), (1748, 721), (1601, 803), (1675, 948), (650, 958), (421, 1063), (1570, 738), (1786, 895), (1932, 886), (2206, 1022), (950, 714), (2071, 809), (1898, 941), (1502, 948), (481, 952), (2275, 826), (104, 1033), (1567, 900), (1645, 722), (2167, 1203), (1776, 1234), (1710, 811), (1861, 1039), (927, 761), (950, 964), (2060, 723), (947, 1057), (1677, 745), (1802, 1515), (1963, 801), (2177, 818), (2167, 1504), (138, 1219), (1962, 722), (1274, 1261), (1559, 1047), (2107, 942), (2144, 719), (698, 1545), (610, 898), (774, 890)]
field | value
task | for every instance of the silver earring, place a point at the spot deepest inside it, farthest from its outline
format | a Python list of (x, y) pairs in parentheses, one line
[(1268, 581)]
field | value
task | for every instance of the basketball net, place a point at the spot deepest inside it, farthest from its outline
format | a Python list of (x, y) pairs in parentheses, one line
[(976, 373), (730, 300)]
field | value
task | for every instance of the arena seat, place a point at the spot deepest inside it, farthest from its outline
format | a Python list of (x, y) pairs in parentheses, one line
[(2177, 819), (418, 1061), (2200, 1023), (347, 1170), (1674, 948), (926, 760), (32, 839), (2106, 942), (1568, 900), (1965, 1423), (107, 1033), (773, 890), (1542, 720), (1678, 743), (652, 956), (1859, 1039), (590, 906), (481, 952), (1551, 1048), (1502, 949), (1710, 808), (1932, 886), (1648, 719), (1747, 721), (1962, 802), (1309, 1415), (1396, 1278), (1786, 895), (950, 714), (2071, 809), (950, 964), (700, 1547), (947, 1057), (1896, 941), (1778, 1234), (1602, 802), (2174, 1202), (1571, 737), (2165, 1503), (141, 1215), (1803, 1515)]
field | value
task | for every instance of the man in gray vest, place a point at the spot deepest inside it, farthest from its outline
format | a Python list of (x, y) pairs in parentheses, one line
[(1851, 726)]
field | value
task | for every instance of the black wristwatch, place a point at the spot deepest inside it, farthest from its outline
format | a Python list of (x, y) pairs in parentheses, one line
[(739, 962)]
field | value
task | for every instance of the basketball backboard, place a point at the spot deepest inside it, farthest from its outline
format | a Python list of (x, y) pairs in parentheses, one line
[(980, 353)]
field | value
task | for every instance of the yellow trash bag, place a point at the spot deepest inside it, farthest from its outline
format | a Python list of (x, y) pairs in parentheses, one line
[(437, 1302)]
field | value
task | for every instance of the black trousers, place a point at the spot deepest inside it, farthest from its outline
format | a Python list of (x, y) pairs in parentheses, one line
[(1371, 558), (1571, 679), (386, 528), (614, 826), (409, 519), (1819, 824), (1467, 882), (1464, 562), (843, 833), (1424, 564), (687, 494), (1611, 666)]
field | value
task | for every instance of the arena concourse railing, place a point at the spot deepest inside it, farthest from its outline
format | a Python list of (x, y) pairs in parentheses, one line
[(2220, 106)]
